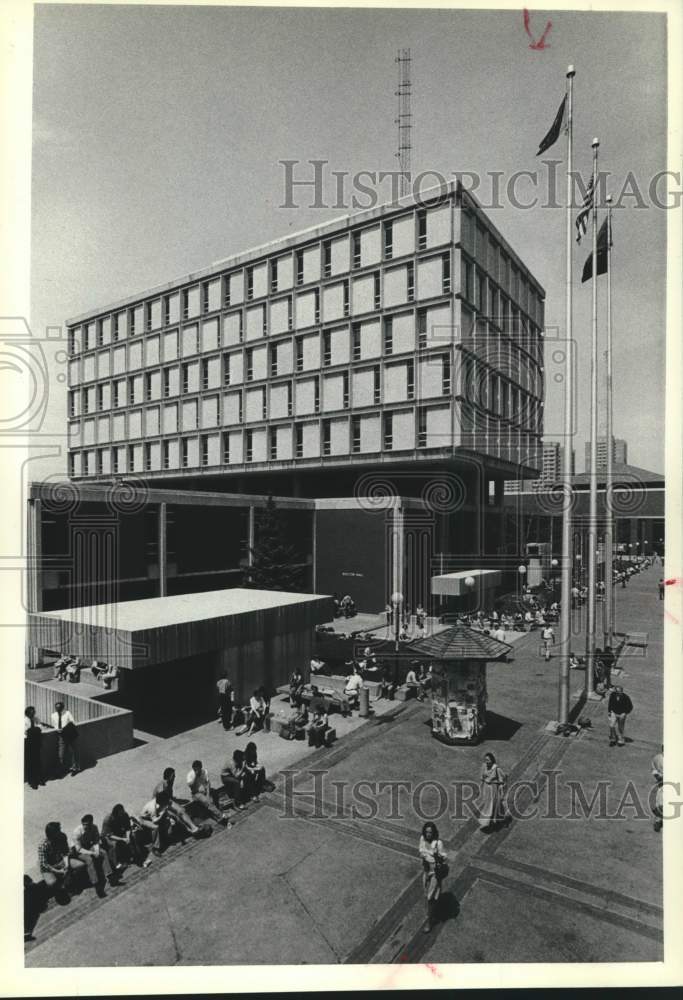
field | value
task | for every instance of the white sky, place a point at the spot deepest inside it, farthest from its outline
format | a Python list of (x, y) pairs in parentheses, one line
[(158, 131)]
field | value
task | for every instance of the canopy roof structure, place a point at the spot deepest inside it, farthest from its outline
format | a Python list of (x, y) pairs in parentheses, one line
[(459, 643)]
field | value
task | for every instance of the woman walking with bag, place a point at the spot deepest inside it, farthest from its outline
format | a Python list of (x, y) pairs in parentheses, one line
[(493, 788), (435, 870)]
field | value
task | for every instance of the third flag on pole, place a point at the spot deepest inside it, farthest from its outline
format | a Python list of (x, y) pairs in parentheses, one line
[(602, 255), (553, 133), (582, 217)]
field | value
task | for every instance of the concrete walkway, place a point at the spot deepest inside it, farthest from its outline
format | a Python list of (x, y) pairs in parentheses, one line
[(325, 870)]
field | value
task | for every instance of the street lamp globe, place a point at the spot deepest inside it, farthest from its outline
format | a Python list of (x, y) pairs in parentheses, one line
[(397, 597), (469, 581), (554, 562), (521, 570)]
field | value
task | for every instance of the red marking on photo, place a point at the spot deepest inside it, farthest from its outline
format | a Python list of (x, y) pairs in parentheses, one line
[(536, 43), (674, 582)]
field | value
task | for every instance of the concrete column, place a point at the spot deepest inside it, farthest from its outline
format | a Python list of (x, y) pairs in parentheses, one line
[(397, 543), (251, 535), (314, 551), (162, 551), (34, 569)]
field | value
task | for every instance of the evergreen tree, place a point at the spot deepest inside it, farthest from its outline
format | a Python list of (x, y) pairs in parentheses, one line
[(273, 560)]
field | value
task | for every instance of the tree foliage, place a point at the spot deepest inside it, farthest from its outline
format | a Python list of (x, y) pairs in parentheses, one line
[(273, 559)]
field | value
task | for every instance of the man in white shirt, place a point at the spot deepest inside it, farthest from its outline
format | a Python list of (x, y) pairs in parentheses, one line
[(156, 821), (499, 634), (354, 682), (316, 665), (548, 637), (201, 791), (87, 847), (67, 738)]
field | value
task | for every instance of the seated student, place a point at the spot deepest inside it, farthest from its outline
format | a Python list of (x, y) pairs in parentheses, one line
[(60, 668), (424, 679), (55, 861), (109, 674), (387, 687), (298, 723), (411, 676), (156, 823), (122, 839), (317, 665), (255, 772), (296, 686), (263, 693), (175, 807), (420, 616), (201, 791), (354, 682), (87, 847), (234, 779), (73, 671), (257, 712), (403, 634), (574, 662), (317, 729)]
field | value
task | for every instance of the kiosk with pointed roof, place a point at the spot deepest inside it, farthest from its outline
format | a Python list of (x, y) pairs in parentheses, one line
[(458, 658)]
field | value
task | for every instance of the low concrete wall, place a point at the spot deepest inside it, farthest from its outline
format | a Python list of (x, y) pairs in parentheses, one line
[(102, 729)]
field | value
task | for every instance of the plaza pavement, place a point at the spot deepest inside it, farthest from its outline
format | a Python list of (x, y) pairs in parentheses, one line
[(304, 879)]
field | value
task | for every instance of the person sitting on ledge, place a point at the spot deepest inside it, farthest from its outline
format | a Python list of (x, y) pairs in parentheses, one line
[(317, 729), (73, 671), (234, 779), (60, 666), (174, 805), (256, 773), (296, 686), (354, 682), (156, 823), (201, 791), (316, 664), (257, 712), (412, 681), (298, 723)]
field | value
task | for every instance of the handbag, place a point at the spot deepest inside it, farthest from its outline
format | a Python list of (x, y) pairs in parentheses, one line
[(441, 868)]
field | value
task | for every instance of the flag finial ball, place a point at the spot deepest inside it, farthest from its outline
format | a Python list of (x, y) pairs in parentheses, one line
[(571, 71), (609, 199), (596, 142)]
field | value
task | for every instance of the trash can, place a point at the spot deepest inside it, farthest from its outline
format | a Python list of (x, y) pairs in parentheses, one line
[(364, 702)]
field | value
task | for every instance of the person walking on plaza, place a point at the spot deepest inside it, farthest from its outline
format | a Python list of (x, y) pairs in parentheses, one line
[(548, 638), (618, 707), (661, 589), (434, 870), (201, 791), (224, 688), (67, 739), (493, 809), (33, 739)]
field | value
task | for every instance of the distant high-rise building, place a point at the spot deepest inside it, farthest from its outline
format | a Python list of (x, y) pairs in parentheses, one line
[(619, 453), (551, 470)]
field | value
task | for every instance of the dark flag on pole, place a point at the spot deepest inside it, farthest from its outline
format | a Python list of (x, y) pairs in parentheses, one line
[(551, 138), (602, 255)]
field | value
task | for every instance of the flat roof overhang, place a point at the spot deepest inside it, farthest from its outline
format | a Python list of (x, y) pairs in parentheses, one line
[(134, 634), (453, 584)]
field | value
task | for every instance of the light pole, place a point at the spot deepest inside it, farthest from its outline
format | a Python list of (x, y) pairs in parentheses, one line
[(522, 575), (469, 583), (553, 566), (397, 601)]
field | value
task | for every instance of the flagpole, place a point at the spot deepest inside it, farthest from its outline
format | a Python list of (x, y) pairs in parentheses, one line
[(593, 511), (567, 548), (609, 528)]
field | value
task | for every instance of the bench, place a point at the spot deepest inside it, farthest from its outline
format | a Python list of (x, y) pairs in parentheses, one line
[(406, 691), (639, 639)]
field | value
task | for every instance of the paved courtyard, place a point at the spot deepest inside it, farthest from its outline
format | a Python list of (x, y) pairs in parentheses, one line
[(312, 875)]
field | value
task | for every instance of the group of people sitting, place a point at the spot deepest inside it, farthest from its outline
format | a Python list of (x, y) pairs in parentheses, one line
[(344, 607), (420, 676), (247, 720), (67, 668), (167, 817)]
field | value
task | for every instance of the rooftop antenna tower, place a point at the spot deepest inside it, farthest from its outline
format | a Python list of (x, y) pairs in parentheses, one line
[(404, 120)]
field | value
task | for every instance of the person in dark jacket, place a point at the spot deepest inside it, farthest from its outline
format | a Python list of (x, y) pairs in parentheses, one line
[(618, 707)]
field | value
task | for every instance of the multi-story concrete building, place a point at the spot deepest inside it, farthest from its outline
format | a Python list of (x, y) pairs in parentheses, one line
[(551, 470), (409, 333), (619, 453)]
